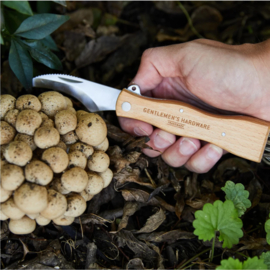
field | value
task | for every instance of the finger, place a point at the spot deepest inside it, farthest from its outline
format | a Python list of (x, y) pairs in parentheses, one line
[(203, 160), (181, 151), (135, 127), (160, 140)]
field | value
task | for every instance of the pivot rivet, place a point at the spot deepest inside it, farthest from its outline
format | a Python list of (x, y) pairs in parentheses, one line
[(126, 106)]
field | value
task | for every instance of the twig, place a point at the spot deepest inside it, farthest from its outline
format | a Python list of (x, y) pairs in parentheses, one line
[(150, 178)]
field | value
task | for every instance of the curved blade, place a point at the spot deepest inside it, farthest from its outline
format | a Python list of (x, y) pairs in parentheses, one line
[(94, 96)]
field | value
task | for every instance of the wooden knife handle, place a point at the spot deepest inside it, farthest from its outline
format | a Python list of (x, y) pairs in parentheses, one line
[(243, 136)]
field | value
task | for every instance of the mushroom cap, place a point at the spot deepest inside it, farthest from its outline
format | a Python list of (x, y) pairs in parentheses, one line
[(7, 133), (4, 194), (72, 110), (27, 139), (47, 122), (91, 129), (38, 172), (76, 205), (56, 158), (28, 102), (33, 216), (99, 161), (43, 116), (31, 198), (62, 145), (80, 113), (70, 138), (3, 216), (107, 177), (65, 121), (57, 205), (86, 196), (11, 117), (103, 146), (10, 209), (63, 220), (88, 150), (95, 183), (7, 102), (18, 153), (52, 102), (56, 184), (11, 177), (24, 225), (77, 159), (42, 221), (74, 179), (28, 121), (68, 102), (46, 137)]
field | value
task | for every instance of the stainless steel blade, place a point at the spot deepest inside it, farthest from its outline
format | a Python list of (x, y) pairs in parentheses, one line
[(94, 96)]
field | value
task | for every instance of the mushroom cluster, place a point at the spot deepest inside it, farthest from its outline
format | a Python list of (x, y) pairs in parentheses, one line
[(53, 160)]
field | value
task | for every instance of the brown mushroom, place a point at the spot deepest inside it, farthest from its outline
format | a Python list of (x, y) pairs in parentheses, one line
[(10, 209), (27, 139), (86, 149), (46, 137), (63, 220), (11, 176), (42, 221), (7, 133), (43, 116), (28, 102), (77, 159), (80, 113), (98, 162), (86, 196), (11, 117), (24, 225), (69, 102), (76, 205), (65, 121), (47, 122), (62, 145), (7, 102), (56, 184), (4, 194), (2, 215), (103, 146), (70, 137), (107, 176), (95, 183)]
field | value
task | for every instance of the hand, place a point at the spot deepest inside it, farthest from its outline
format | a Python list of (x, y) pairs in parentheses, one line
[(210, 75)]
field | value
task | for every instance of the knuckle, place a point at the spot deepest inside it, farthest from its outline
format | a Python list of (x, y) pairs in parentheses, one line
[(147, 53)]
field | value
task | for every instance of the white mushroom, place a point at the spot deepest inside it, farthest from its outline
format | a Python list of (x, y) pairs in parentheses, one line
[(95, 183), (38, 172), (27, 139), (98, 162), (28, 121), (103, 146), (107, 177), (7, 102), (56, 158), (28, 102), (2, 215), (11, 117), (10, 209), (62, 145), (63, 220), (33, 216), (57, 205), (18, 153), (80, 113), (31, 198), (74, 179), (91, 129), (7, 133), (46, 137), (86, 196), (72, 110), (69, 102), (43, 116), (77, 159), (48, 123), (42, 221), (56, 184), (76, 205), (88, 150), (11, 176), (24, 225), (70, 138), (4, 194), (65, 121)]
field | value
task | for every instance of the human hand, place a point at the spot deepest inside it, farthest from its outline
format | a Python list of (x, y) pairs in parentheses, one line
[(210, 75)]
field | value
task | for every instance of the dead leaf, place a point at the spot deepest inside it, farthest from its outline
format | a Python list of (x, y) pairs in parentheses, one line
[(180, 203), (198, 203), (91, 218), (74, 43), (135, 264), (255, 192)]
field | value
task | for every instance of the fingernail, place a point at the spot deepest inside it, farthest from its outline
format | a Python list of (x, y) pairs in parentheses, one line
[(187, 147), (214, 152), (140, 132), (162, 140)]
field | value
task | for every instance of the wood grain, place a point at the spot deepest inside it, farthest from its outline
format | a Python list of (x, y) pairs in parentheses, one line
[(244, 136)]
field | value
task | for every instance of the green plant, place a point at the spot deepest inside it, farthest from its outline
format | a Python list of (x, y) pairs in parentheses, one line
[(250, 263), (267, 230), (27, 35)]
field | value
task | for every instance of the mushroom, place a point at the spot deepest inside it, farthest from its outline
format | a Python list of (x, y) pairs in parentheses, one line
[(107, 177), (70, 138), (63, 220), (56, 158), (69, 102), (43, 116), (33, 216), (11, 176), (80, 113), (88, 150), (28, 102), (7, 133), (38, 172), (7, 102), (95, 183), (28, 121), (31, 198), (52, 102), (10, 209), (98, 162), (47, 122), (2, 215), (74, 179), (57, 205), (91, 129), (103, 146), (65, 121), (18, 153), (76, 205), (72, 110), (27, 139), (46, 136), (24, 225), (11, 117), (77, 159), (62, 145), (4, 194), (42, 221), (86, 196), (56, 184)]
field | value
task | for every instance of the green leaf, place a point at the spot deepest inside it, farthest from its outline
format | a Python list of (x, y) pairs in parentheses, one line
[(49, 42), (266, 258), (238, 195), (221, 217), (21, 63), (250, 263), (43, 55), (21, 6), (267, 229), (39, 26), (62, 3), (1, 40)]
